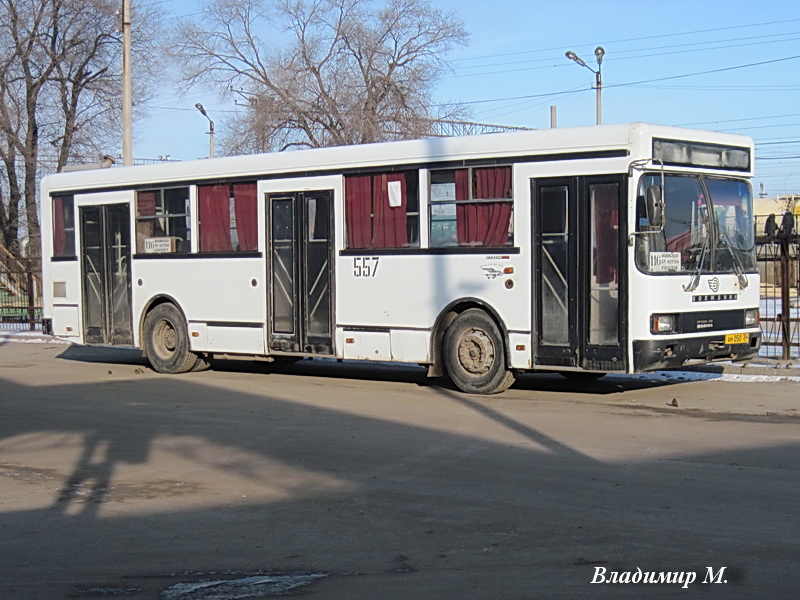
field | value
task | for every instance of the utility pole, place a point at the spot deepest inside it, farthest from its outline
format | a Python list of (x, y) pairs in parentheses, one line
[(210, 131), (127, 95)]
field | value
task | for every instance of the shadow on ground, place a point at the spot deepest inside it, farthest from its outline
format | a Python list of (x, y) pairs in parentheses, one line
[(160, 480), (370, 371)]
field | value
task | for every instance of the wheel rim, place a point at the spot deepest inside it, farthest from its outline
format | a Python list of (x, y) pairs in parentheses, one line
[(475, 352), (166, 339)]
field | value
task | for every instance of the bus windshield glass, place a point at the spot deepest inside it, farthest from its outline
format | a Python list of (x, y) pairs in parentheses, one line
[(706, 226)]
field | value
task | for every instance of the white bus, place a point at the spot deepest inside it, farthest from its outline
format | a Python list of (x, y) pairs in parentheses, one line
[(616, 248)]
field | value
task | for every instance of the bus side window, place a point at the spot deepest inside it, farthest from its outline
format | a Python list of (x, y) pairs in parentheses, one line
[(63, 226), (382, 210), (162, 215), (471, 207), (228, 217)]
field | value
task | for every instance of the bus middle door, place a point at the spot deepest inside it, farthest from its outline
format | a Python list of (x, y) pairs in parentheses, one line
[(300, 227)]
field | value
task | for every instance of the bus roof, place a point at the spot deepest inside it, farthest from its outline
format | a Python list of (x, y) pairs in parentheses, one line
[(632, 137)]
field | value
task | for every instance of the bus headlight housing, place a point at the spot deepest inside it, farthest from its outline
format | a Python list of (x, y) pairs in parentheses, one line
[(662, 324), (751, 317)]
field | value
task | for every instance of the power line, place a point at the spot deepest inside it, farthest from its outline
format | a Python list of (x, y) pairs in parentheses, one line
[(709, 72), (777, 143), (633, 83), (619, 55), (760, 127), (740, 120), (726, 88), (636, 39)]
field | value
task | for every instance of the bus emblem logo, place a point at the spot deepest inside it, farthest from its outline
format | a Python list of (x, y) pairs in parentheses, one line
[(713, 283), (492, 271)]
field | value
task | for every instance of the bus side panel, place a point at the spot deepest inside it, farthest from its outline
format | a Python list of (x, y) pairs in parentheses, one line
[(62, 298), (405, 294), (226, 296), (410, 346)]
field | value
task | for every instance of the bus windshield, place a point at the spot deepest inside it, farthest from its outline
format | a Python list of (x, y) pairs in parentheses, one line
[(706, 226)]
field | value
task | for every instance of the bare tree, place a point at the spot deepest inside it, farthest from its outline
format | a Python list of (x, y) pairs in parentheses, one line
[(59, 97), (322, 72)]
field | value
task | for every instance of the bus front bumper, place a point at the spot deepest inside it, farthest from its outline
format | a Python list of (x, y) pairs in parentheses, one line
[(666, 353)]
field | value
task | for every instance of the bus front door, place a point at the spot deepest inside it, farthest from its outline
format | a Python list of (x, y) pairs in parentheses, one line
[(106, 276), (579, 303), (300, 226)]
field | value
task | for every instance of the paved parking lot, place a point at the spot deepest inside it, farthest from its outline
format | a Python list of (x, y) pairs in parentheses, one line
[(328, 480)]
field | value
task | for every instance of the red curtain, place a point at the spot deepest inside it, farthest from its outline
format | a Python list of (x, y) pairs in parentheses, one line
[(146, 203), (606, 232), (485, 223), (215, 218), (462, 184), (59, 231), (358, 210), (246, 209), (389, 224), (463, 214), (493, 182)]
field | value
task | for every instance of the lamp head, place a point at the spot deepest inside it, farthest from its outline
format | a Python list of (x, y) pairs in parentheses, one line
[(572, 56), (202, 110), (599, 53)]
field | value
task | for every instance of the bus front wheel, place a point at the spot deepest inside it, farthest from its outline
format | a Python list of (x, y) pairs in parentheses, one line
[(166, 340), (474, 355)]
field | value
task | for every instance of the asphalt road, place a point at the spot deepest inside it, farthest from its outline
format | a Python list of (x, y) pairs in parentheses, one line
[(353, 481)]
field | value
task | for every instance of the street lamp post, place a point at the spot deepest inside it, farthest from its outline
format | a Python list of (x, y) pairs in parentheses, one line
[(127, 94), (599, 53), (210, 131)]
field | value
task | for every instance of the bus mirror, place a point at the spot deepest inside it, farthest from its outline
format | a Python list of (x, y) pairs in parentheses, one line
[(655, 205)]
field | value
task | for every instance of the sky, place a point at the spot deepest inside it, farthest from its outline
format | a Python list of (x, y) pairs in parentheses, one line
[(728, 65)]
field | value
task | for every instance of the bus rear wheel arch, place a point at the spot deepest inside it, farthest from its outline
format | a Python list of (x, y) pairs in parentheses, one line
[(474, 354), (166, 341)]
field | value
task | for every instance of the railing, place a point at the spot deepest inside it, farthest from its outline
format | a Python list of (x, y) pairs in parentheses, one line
[(20, 292), (779, 267)]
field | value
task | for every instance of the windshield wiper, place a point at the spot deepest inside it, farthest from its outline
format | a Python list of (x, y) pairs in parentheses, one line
[(738, 268), (694, 281)]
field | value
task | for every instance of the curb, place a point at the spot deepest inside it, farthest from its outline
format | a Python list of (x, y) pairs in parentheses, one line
[(758, 366)]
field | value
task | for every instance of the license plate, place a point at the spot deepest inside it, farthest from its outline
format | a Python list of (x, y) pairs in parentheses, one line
[(737, 338)]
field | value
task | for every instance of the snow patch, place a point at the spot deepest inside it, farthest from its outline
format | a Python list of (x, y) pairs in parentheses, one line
[(255, 586)]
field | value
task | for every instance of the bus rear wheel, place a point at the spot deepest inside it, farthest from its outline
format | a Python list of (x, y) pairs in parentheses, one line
[(166, 340), (474, 354)]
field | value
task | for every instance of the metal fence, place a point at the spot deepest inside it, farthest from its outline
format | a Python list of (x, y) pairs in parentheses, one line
[(20, 292), (779, 267)]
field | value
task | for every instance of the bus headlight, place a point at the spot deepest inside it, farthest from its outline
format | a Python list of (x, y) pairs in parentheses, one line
[(751, 317), (662, 324)]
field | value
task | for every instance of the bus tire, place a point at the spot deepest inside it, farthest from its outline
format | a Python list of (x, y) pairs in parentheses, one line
[(202, 364), (166, 340), (474, 355)]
